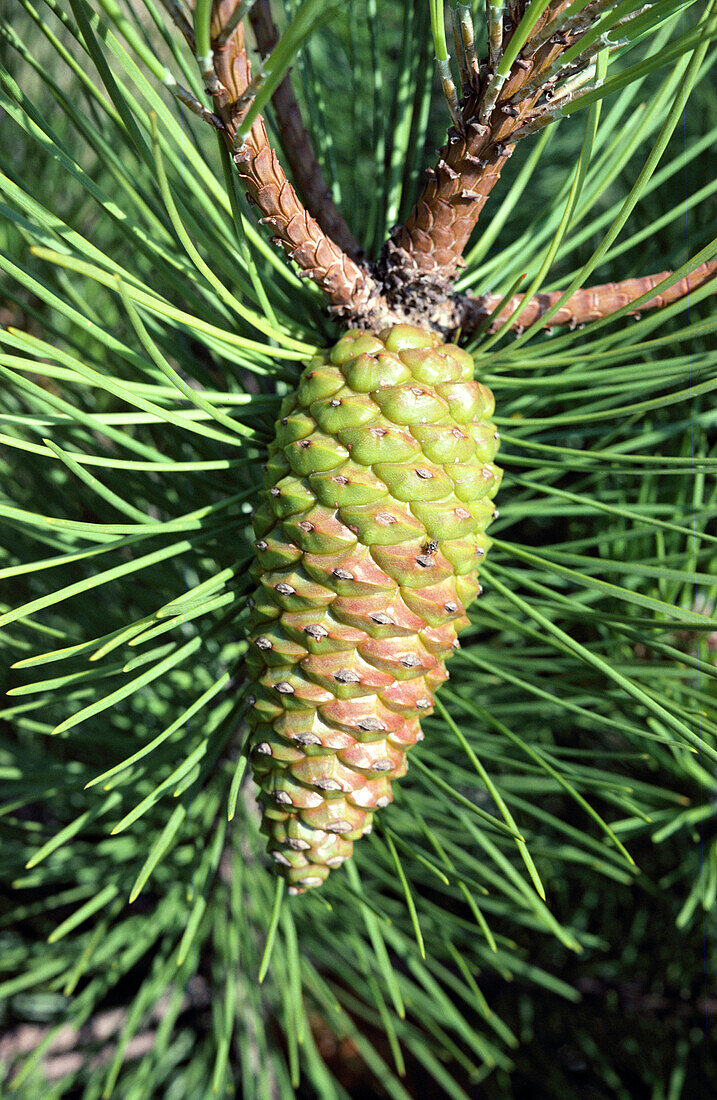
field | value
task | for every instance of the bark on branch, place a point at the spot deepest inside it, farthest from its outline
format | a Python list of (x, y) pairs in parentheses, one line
[(304, 241), (296, 142), (589, 304), (411, 280), (428, 247)]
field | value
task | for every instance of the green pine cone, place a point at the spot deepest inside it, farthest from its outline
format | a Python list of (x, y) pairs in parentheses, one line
[(378, 491)]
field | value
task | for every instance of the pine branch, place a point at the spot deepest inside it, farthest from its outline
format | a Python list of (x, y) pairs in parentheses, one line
[(589, 304), (428, 247), (267, 186), (296, 143)]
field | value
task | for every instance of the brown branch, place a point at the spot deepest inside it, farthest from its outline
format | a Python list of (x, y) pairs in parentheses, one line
[(296, 142), (345, 283), (411, 280), (589, 304), (428, 247)]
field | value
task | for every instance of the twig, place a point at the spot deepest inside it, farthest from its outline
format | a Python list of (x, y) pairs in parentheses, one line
[(589, 304), (346, 284), (428, 247), (296, 143)]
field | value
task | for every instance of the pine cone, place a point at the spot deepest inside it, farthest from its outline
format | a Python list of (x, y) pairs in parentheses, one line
[(378, 491)]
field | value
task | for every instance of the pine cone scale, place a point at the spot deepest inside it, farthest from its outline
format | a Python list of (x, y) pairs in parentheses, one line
[(378, 491)]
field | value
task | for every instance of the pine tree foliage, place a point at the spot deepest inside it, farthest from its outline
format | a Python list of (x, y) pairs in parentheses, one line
[(545, 880)]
